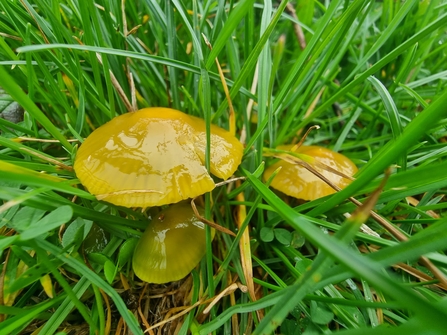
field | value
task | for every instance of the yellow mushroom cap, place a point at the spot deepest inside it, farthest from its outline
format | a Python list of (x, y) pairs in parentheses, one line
[(154, 156), (298, 182), (172, 245)]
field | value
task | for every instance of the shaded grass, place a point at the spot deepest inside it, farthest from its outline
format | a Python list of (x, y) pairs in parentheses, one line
[(372, 76)]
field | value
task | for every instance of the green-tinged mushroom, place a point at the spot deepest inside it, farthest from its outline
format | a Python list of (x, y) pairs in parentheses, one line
[(172, 245), (296, 181)]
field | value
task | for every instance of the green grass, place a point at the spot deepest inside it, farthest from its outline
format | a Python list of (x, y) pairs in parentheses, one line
[(373, 78)]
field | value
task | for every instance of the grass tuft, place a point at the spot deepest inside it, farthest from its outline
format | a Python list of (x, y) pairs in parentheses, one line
[(369, 77)]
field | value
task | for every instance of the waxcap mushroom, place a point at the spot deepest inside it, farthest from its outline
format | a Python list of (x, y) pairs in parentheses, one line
[(153, 157), (172, 245), (296, 181)]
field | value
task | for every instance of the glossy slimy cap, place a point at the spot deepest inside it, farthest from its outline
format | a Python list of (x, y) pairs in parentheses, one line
[(154, 156), (298, 182), (172, 245)]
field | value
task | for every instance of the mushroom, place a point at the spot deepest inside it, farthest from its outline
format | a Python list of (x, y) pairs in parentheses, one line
[(171, 246), (153, 157), (296, 181)]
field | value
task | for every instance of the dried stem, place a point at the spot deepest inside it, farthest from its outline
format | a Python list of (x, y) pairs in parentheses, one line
[(296, 27), (231, 114), (208, 222)]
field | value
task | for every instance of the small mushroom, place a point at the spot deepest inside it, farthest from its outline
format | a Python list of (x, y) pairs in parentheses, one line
[(171, 246), (153, 157), (296, 181)]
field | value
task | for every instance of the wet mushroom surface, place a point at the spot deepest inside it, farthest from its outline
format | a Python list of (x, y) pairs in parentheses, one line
[(172, 245), (153, 157), (296, 181)]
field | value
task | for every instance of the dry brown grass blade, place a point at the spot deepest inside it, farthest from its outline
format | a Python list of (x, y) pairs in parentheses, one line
[(415, 202), (124, 282), (108, 326), (47, 159), (134, 30), (438, 274), (208, 222), (133, 94), (11, 203), (115, 83), (234, 317), (245, 250), (231, 114), (402, 237), (309, 165), (229, 290), (35, 21), (296, 27), (250, 104), (418, 274), (117, 87), (185, 310), (120, 328), (140, 310), (244, 246), (229, 181), (303, 138), (11, 37), (364, 210), (124, 17), (32, 139)]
